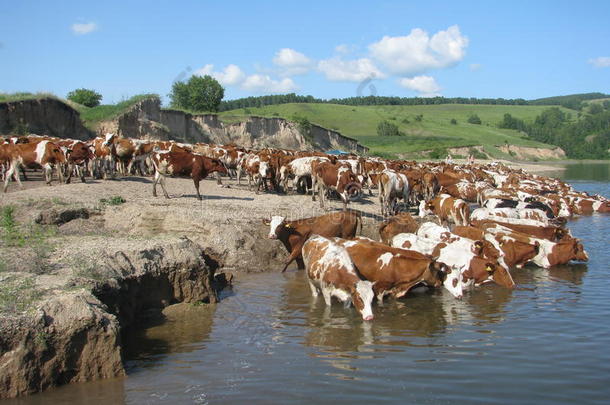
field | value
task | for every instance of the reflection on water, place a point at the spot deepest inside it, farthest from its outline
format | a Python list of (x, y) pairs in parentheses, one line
[(269, 341)]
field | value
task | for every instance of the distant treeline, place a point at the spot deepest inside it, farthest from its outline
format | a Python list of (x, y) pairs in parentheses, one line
[(586, 138), (574, 101)]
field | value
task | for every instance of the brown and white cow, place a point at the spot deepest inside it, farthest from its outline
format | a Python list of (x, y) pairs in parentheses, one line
[(183, 164), (329, 176), (77, 155), (446, 207), (393, 271), (331, 271), (293, 234), (515, 253), (43, 155), (392, 186), (401, 223)]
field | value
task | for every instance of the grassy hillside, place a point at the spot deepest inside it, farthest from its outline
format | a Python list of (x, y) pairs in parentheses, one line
[(434, 130)]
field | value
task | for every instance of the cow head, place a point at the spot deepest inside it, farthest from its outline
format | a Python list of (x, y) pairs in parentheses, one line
[(424, 208), (108, 139), (362, 298), (54, 153), (451, 279), (501, 276), (579, 252), (276, 223)]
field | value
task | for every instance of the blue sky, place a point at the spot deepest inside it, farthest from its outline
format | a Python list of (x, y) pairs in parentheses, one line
[(517, 49)]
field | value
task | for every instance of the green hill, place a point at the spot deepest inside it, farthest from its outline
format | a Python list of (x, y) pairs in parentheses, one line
[(425, 127)]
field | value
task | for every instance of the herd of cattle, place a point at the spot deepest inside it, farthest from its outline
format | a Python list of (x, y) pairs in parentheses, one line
[(520, 219)]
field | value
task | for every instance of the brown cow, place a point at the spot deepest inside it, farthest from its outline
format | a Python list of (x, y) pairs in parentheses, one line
[(43, 154), (185, 164), (78, 155), (551, 233), (293, 234), (446, 207), (329, 176), (393, 271), (400, 223)]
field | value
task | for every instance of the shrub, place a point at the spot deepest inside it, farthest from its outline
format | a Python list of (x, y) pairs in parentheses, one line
[(438, 153), (453, 121), (114, 200), (474, 119), (385, 128), (86, 97), (419, 117)]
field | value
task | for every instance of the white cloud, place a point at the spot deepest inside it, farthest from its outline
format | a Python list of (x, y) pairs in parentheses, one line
[(475, 66), (264, 84), (426, 86), (337, 69), (601, 62), (84, 28), (418, 52), (230, 76), (343, 49), (292, 62)]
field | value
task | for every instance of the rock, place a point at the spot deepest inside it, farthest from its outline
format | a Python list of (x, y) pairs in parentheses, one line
[(75, 336), (54, 216), (70, 338)]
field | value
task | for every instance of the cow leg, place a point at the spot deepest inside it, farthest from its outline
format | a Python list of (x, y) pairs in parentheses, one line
[(326, 295), (157, 179), (60, 173), (314, 290), (218, 179), (314, 182), (12, 171), (196, 182), (295, 255), (300, 263)]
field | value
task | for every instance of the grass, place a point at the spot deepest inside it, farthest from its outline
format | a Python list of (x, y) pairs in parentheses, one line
[(29, 246), (426, 127), (114, 200), (21, 96), (91, 116), (17, 294)]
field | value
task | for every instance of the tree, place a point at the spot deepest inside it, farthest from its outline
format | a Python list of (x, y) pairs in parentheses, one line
[(86, 97), (595, 108), (197, 94), (386, 128), (474, 119)]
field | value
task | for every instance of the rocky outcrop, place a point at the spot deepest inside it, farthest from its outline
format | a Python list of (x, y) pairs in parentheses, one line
[(73, 332), (44, 116), (529, 153), (146, 120)]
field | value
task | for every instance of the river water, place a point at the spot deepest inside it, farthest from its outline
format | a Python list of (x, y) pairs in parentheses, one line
[(269, 341)]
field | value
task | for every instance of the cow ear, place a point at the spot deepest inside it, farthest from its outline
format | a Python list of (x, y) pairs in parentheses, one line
[(266, 222), (489, 268), (288, 226)]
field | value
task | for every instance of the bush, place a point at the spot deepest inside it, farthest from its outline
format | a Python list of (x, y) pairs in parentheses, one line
[(438, 153), (419, 117), (385, 128), (474, 119), (114, 200), (303, 125), (477, 154), (86, 97), (453, 121), (595, 108), (199, 94), (406, 121)]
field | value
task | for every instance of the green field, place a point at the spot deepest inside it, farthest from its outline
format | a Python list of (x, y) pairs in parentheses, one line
[(433, 131)]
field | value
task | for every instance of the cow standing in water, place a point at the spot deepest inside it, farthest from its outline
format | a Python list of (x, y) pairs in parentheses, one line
[(183, 164), (293, 234), (331, 271)]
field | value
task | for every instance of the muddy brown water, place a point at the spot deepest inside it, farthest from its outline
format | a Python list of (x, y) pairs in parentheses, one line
[(269, 341)]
